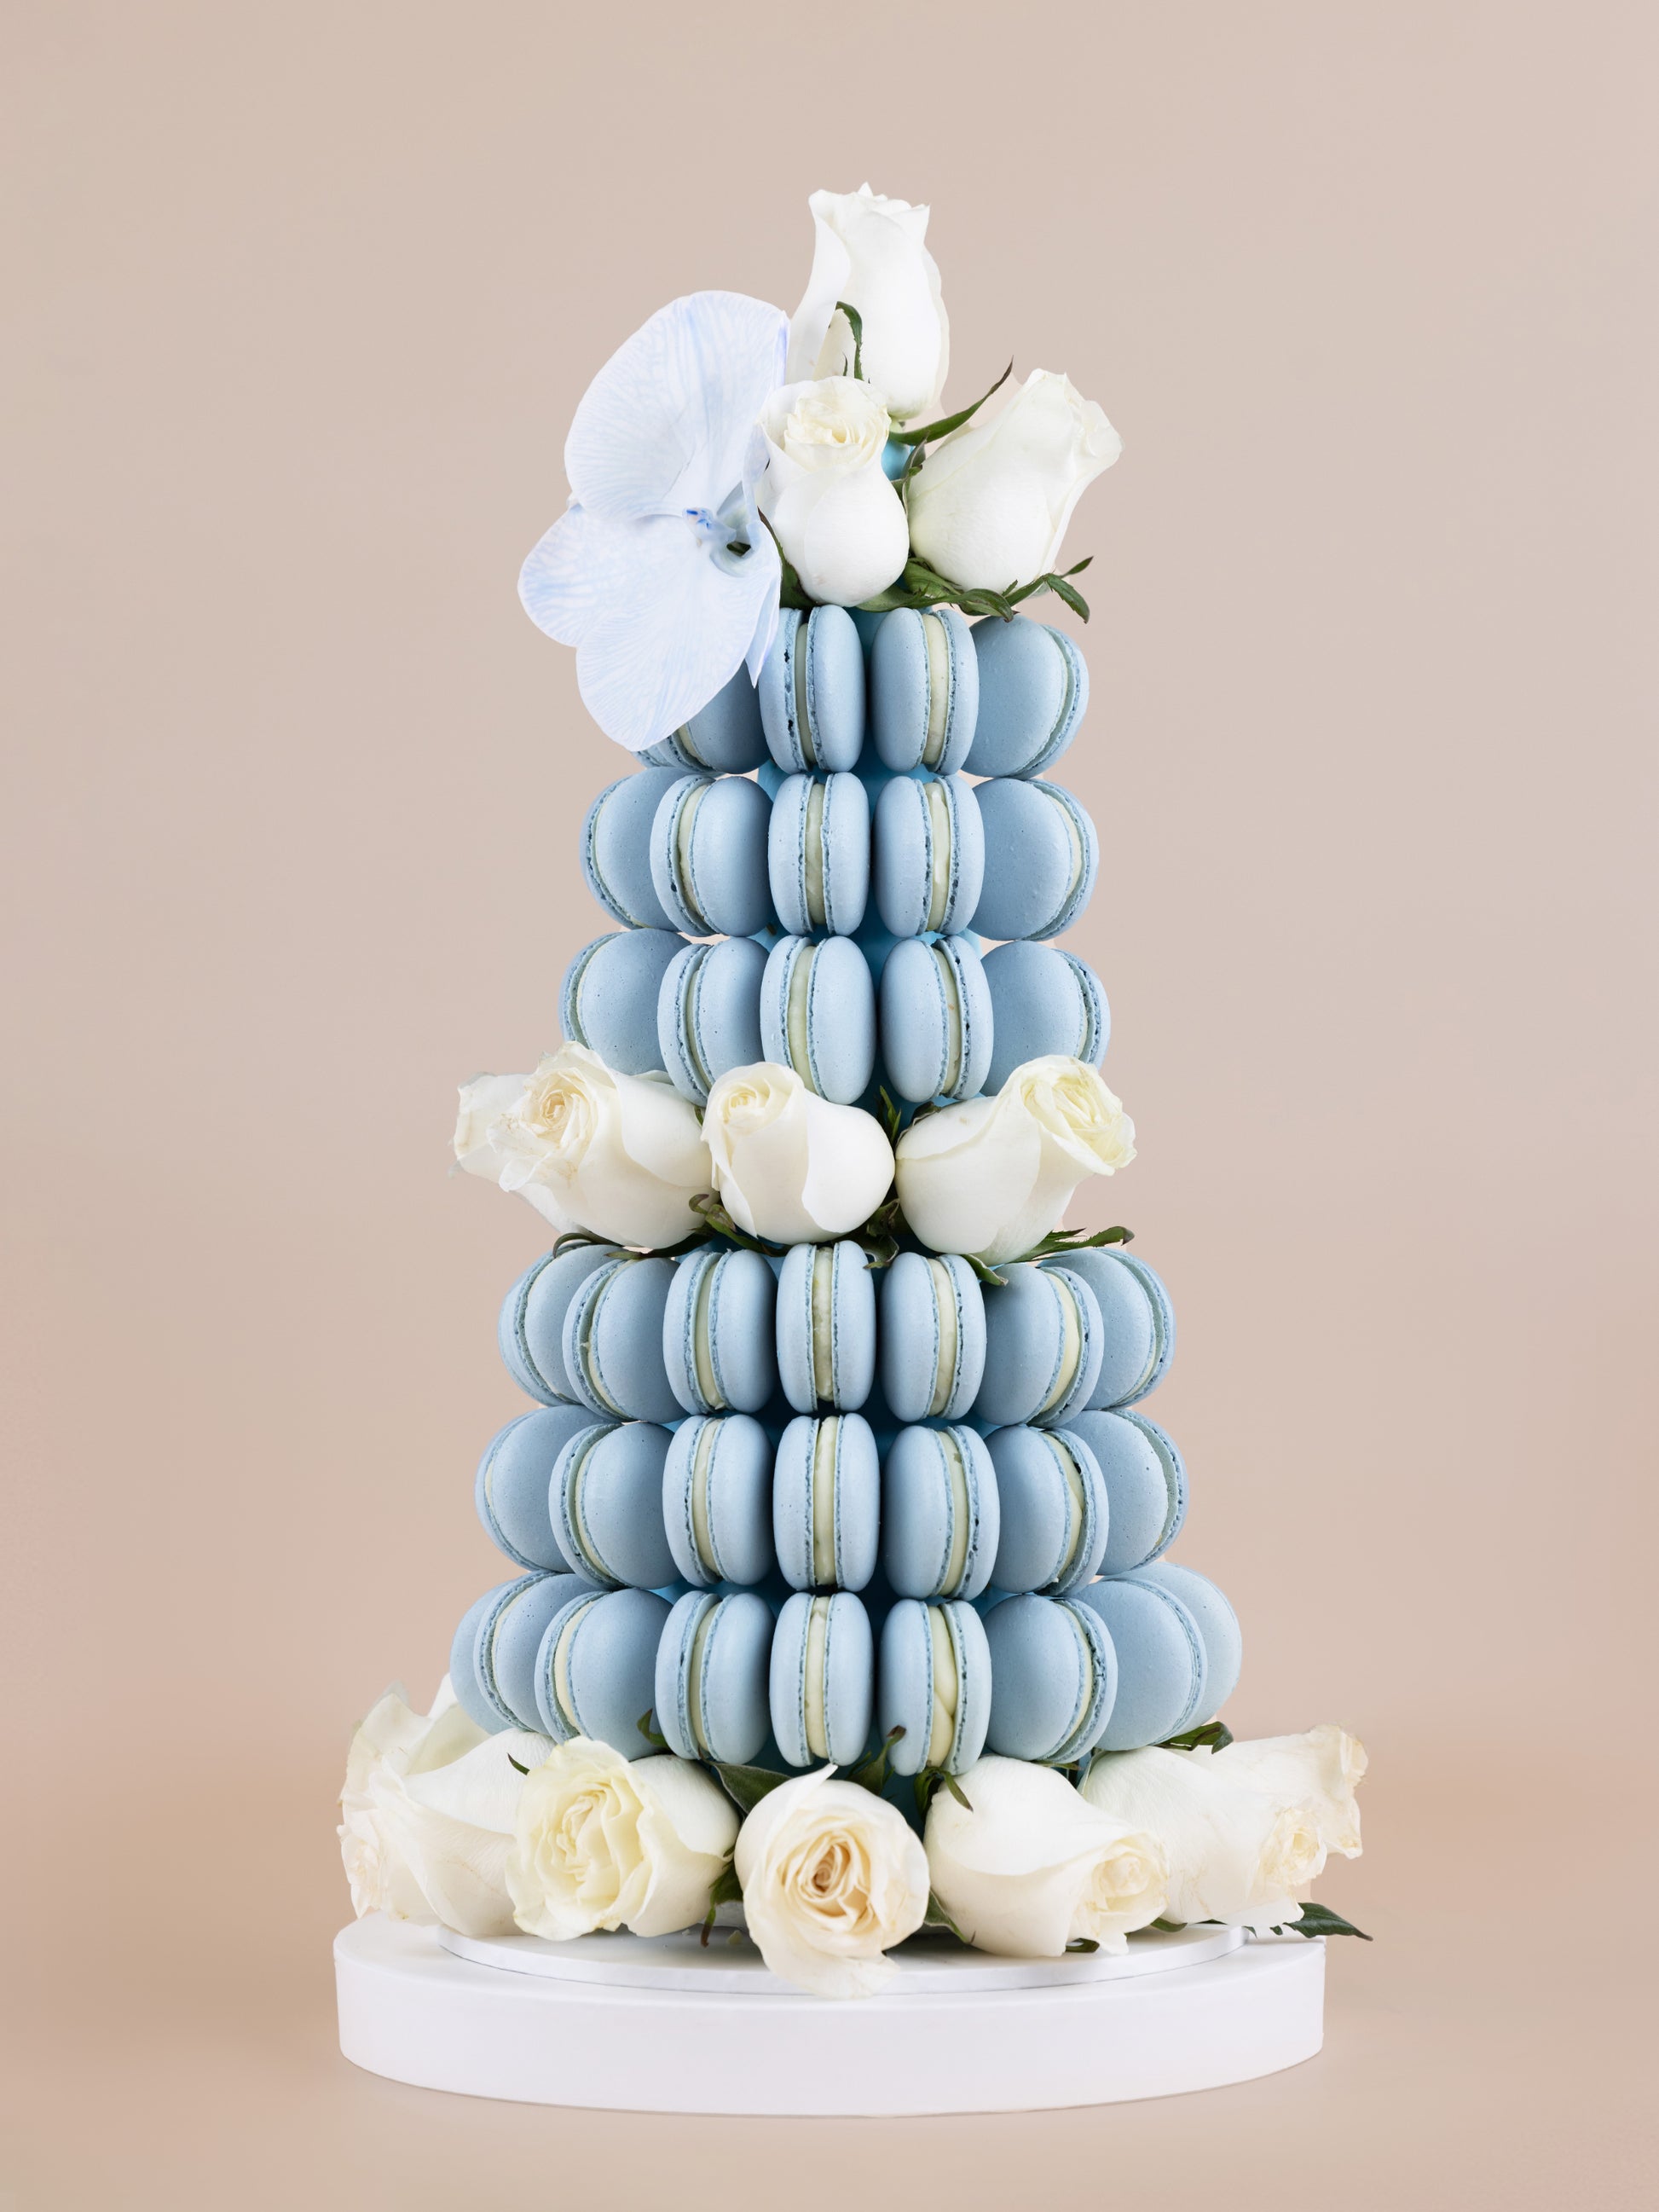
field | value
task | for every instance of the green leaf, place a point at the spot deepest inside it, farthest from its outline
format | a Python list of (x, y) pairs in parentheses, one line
[(514, 1764), (855, 324), (1060, 1241), (1319, 1920), (947, 424), (647, 1727), (892, 1119), (571, 1238), (1083, 1943), (938, 1918), (726, 1889), (1216, 1733), (720, 1222), (1059, 585), (986, 1274), (790, 593), (746, 1785), (1169, 1926), (873, 1774)]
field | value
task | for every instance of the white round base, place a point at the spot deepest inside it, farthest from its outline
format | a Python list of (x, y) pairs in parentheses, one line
[(618, 2024)]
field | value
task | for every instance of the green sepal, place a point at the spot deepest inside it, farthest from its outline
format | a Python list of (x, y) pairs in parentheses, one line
[(1215, 1733), (647, 1725), (1083, 1943), (1319, 1920), (1169, 1926), (929, 1782), (1059, 585), (873, 1774), (888, 1113), (947, 424), (855, 324), (879, 1235), (726, 1889), (514, 1764), (721, 1225), (939, 1918), (574, 1238), (746, 1785), (922, 586)]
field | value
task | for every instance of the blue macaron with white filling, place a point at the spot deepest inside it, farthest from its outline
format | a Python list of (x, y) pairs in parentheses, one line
[(513, 1489), (606, 1499), (811, 690), (707, 1014), (924, 690), (616, 848), (717, 1500), (818, 1013), (940, 1512), (1136, 1332), (595, 1667), (933, 1336), (1162, 1666), (531, 1329), (826, 1326), (1047, 855), (613, 1338), (822, 1681), (1033, 691), (929, 855), (817, 853), (1042, 1000), (1055, 1510), (492, 1661), (1042, 1347), (1145, 1482), (935, 1686), (709, 855), (717, 1332), (826, 1502), (936, 1019), (1054, 1678), (713, 1676), (724, 737), (1218, 1624), (609, 999)]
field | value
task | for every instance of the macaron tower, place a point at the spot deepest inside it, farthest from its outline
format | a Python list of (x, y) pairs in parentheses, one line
[(779, 1500)]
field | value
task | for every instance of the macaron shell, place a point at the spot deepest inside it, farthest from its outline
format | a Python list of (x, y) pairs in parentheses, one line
[(1033, 693), (1145, 1480), (924, 690), (817, 853), (818, 1015), (709, 855), (718, 1477), (724, 737), (718, 1328), (1042, 1347), (1161, 1664), (1218, 1624), (512, 1488), (1047, 855), (1054, 1678), (929, 848), (940, 1513), (811, 690), (615, 847), (708, 1013), (1137, 1321), (1042, 1000), (512, 1637), (937, 1024), (531, 1331), (607, 1491), (906, 1677), (822, 1662), (826, 1502), (1057, 1512), (464, 1677), (612, 1341), (932, 1337), (826, 1326), (713, 1676), (608, 998), (611, 1665)]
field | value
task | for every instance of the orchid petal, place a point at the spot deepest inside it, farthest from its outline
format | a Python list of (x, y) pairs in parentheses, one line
[(558, 585)]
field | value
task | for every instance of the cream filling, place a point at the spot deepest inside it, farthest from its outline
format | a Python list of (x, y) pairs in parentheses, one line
[(952, 1021), (944, 1306), (939, 688), (694, 1682), (956, 1469), (803, 717), (1071, 1345), (812, 1699), (1085, 1668), (684, 824), (590, 1321), (1077, 1508), (689, 1022), (574, 1485), (702, 1338), (1065, 714), (1079, 857), (561, 1666), (824, 1445), (799, 1028), (938, 801), (683, 738), (813, 833), (946, 1689), (702, 1531), (824, 1318), (573, 992)]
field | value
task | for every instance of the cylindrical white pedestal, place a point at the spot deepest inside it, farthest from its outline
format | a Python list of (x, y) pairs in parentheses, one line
[(619, 2025)]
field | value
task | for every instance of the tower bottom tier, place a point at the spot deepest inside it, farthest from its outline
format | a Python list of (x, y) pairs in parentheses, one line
[(620, 2025)]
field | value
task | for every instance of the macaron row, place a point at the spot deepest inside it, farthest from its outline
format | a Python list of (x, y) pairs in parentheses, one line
[(995, 698), (1128, 1661), (722, 856), (943, 1022), (941, 1511), (720, 1330)]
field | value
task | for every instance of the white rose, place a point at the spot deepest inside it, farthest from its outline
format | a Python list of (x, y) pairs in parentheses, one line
[(993, 1175), (1237, 1852), (990, 503), (393, 1740), (1320, 1771), (789, 1165), (1032, 1866), (832, 1877), (619, 1155), (839, 520), (870, 252), (606, 1842)]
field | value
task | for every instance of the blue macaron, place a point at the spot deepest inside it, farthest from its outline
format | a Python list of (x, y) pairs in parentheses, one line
[(616, 848), (1162, 1666), (826, 1502), (1055, 1510), (811, 690), (940, 1512), (717, 1500), (1053, 1677), (492, 1663), (513, 1484), (924, 690), (936, 1019), (826, 1326), (719, 1332), (1145, 1482), (1042, 1000), (1048, 856), (531, 1330), (933, 1336), (609, 1001), (707, 1013), (817, 853), (712, 1679), (822, 1680), (606, 1494), (929, 855), (1042, 1335), (1033, 689), (1136, 1332), (935, 1686), (1218, 1624), (709, 855), (724, 737), (818, 1013), (595, 1667), (612, 1344)]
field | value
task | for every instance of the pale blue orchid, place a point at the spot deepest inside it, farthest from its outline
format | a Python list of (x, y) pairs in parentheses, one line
[(641, 573)]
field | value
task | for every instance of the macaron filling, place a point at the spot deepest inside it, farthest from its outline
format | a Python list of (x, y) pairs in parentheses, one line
[(1078, 1514), (950, 1002), (587, 1321), (937, 640), (961, 1511), (574, 1516), (941, 845), (704, 1373), (1079, 854), (826, 1446), (944, 1684), (948, 1353), (1077, 1725), (492, 1628), (696, 1065), (1088, 1040), (694, 1677), (1071, 1348), (685, 820), (815, 1669), (823, 1322), (812, 855), (798, 1012), (573, 1028), (703, 1528), (799, 659), (564, 1703)]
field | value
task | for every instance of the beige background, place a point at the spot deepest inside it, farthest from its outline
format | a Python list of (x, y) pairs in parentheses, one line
[(303, 299)]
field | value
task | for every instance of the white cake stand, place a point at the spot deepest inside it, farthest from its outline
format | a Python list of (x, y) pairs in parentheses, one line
[(620, 2024)]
